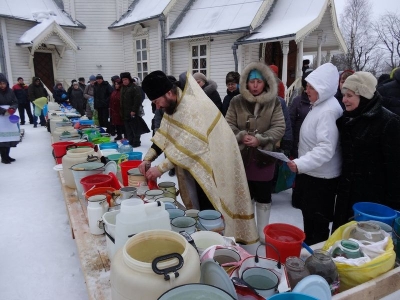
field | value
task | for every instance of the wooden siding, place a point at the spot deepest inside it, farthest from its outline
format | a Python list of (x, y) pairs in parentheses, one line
[(154, 45), (100, 46), (221, 59)]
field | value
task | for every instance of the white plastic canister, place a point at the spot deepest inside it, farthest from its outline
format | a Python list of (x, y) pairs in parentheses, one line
[(134, 278), (136, 217), (73, 157), (109, 220), (97, 206)]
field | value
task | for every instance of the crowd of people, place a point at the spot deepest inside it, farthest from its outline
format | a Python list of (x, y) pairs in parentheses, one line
[(341, 133)]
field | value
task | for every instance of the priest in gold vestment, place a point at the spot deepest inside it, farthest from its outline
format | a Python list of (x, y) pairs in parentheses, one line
[(199, 143)]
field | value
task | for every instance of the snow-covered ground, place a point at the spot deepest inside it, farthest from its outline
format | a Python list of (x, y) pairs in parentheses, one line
[(38, 256)]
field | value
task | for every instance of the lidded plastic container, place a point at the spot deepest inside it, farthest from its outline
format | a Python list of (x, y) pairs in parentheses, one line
[(97, 207), (137, 269), (136, 217)]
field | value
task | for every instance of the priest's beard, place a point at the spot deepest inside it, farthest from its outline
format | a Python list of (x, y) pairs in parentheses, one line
[(170, 109)]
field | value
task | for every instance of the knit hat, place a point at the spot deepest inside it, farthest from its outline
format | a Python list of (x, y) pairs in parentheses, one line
[(19, 78), (99, 76), (81, 79), (92, 78), (156, 84), (114, 78), (255, 74), (232, 77), (126, 75), (200, 76), (75, 83), (361, 83)]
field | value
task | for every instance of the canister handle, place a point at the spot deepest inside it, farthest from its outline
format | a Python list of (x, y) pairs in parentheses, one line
[(167, 271)]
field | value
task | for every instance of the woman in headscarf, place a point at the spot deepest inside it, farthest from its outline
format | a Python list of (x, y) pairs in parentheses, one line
[(319, 162), (370, 141), (9, 132), (256, 118)]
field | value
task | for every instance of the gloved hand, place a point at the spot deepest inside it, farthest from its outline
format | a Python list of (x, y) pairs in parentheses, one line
[(63, 96), (3, 111), (11, 111)]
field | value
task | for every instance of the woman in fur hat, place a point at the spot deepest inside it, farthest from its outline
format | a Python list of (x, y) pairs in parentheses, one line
[(257, 120), (370, 141)]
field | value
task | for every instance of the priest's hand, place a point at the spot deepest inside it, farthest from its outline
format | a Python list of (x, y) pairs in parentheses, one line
[(144, 165), (153, 173)]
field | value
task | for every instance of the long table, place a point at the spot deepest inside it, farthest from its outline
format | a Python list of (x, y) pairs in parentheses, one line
[(92, 249), (96, 264)]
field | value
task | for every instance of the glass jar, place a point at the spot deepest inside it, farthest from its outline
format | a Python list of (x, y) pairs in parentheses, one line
[(321, 263), (296, 270), (347, 249)]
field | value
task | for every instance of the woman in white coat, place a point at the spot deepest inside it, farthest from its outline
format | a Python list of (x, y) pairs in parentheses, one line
[(319, 163)]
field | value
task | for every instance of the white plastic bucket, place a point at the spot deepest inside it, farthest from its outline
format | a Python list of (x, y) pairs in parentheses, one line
[(109, 220)]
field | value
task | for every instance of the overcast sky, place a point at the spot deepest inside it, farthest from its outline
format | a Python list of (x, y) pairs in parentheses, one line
[(378, 7)]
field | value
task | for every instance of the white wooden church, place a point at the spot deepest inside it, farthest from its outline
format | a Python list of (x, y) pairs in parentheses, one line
[(61, 40)]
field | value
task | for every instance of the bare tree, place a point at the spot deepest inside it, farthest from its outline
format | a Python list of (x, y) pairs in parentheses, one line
[(388, 31), (356, 28)]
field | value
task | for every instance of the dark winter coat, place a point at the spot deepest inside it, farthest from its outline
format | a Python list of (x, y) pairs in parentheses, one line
[(131, 101), (102, 93), (77, 100), (390, 93), (210, 88), (227, 100), (298, 111), (36, 90), (115, 108), (339, 97), (7, 96), (287, 139), (58, 95), (21, 93), (370, 149)]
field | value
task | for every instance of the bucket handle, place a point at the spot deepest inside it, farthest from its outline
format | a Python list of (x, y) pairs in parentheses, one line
[(109, 236), (167, 271), (273, 247)]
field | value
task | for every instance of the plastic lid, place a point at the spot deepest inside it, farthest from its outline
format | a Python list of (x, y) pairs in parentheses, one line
[(132, 205), (97, 198)]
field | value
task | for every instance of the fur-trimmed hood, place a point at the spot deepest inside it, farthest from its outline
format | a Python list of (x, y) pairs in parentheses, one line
[(210, 87), (271, 88)]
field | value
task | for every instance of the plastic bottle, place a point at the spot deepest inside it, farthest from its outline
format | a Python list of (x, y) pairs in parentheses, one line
[(97, 207), (157, 216), (125, 147)]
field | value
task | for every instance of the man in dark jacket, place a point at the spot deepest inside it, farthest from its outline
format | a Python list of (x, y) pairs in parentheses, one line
[(131, 101), (21, 93), (102, 93), (390, 93), (210, 88), (36, 90)]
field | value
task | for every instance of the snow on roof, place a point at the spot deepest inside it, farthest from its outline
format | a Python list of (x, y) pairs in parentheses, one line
[(36, 10), (289, 18), (42, 31), (209, 16), (141, 10)]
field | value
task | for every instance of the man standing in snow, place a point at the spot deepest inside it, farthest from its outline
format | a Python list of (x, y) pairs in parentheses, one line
[(204, 151), (21, 93)]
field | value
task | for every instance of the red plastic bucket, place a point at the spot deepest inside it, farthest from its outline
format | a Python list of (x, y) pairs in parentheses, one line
[(125, 167), (96, 180), (81, 145), (59, 150), (286, 238)]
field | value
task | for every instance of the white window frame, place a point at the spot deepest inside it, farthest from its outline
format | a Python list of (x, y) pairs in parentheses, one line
[(140, 34), (197, 43)]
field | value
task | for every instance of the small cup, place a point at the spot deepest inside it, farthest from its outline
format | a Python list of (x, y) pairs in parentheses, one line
[(175, 212), (347, 249), (151, 195), (187, 224), (192, 213), (226, 256), (264, 281)]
